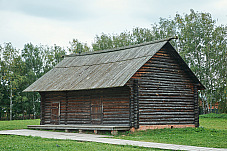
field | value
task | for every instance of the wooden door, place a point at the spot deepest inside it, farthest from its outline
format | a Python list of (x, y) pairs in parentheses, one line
[(55, 113), (96, 111)]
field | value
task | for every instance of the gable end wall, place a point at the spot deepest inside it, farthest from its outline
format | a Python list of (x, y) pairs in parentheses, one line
[(167, 95)]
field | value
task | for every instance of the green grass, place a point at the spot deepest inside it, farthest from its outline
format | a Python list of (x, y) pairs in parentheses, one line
[(186, 136), (28, 143), (23, 143), (213, 115), (211, 133), (214, 121), (17, 124)]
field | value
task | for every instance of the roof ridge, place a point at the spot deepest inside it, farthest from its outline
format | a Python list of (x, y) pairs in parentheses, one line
[(121, 48)]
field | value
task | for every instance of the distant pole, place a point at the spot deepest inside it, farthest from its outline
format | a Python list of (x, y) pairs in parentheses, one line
[(34, 113), (11, 103)]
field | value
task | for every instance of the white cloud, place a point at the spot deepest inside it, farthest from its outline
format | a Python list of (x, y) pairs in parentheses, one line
[(59, 21), (20, 29)]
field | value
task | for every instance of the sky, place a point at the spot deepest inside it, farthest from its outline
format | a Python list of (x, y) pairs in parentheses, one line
[(50, 22)]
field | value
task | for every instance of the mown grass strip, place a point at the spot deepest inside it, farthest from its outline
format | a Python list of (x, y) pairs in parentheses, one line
[(186, 136), (17, 124), (28, 143), (211, 133)]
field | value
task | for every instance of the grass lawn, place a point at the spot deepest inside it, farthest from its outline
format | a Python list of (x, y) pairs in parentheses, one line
[(212, 133), (17, 124), (186, 136), (27, 143), (213, 121), (23, 143)]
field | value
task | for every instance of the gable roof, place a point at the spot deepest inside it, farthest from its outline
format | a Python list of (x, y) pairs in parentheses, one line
[(99, 69)]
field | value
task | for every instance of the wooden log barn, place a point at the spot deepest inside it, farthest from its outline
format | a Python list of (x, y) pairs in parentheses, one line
[(143, 86)]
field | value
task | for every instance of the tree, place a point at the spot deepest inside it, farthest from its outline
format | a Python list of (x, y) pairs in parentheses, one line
[(9, 57), (78, 47), (201, 43)]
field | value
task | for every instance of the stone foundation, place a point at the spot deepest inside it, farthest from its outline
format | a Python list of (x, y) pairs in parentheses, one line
[(145, 127)]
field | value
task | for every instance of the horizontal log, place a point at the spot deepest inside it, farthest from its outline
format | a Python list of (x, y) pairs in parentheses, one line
[(116, 100), (179, 102), (148, 106), (144, 117), (78, 122), (106, 110), (164, 89), (115, 112), (159, 81), (163, 86), (148, 100), (166, 122), (115, 107), (79, 113), (166, 107), (163, 78), (168, 119), (77, 119), (112, 101), (164, 97), (167, 113), (167, 94), (116, 122), (72, 103), (163, 70), (77, 108), (116, 119), (148, 111), (116, 116), (163, 59)]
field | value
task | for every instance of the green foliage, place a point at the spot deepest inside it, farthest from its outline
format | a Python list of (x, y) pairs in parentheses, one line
[(19, 69), (203, 46), (137, 36), (78, 47)]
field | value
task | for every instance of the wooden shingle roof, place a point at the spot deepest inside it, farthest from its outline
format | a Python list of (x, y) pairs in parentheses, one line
[(99, 69)]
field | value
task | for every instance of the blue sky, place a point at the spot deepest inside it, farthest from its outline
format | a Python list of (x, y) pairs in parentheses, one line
[(50, 22)]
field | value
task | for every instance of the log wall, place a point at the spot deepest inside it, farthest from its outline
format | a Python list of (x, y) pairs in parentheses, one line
[(76, 106), (166, 92)]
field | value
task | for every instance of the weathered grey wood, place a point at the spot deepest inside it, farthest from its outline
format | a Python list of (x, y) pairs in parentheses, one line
[(166, 92), (163, 90), (81, 127), (196, 109), (75, 106)]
